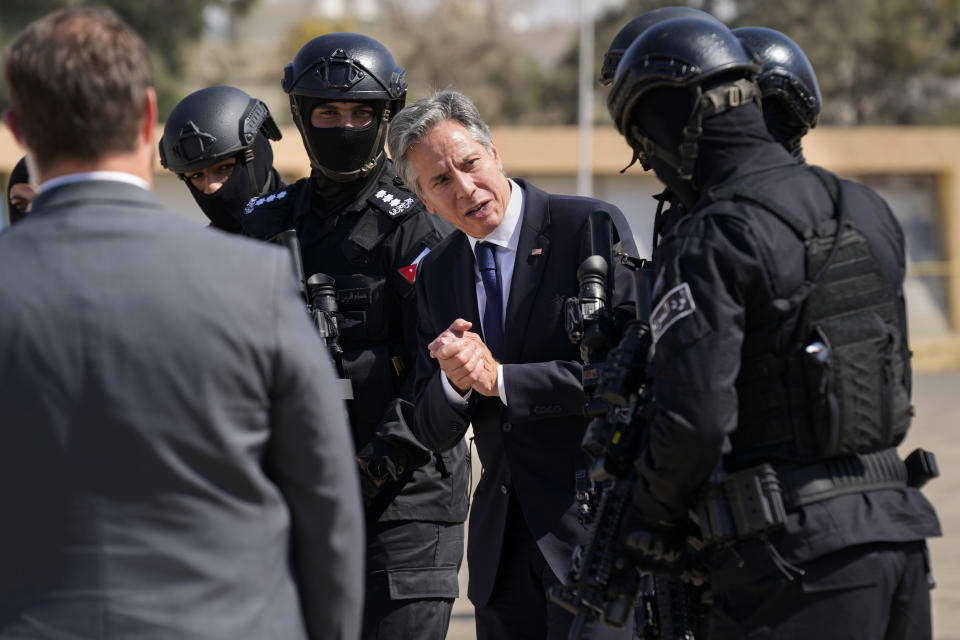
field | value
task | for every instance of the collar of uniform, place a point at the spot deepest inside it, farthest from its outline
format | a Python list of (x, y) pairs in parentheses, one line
[(116, 176), (507, 233)]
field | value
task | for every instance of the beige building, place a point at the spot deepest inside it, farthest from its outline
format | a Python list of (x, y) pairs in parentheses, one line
[(916, 169)]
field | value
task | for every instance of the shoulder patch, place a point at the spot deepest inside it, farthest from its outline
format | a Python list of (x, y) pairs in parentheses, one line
[(392, 199), (676, 304)]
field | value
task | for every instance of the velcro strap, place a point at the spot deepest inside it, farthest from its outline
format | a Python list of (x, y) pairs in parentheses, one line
[(729, 96), (809, 483)]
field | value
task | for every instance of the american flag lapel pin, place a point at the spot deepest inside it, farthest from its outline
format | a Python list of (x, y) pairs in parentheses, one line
[(536, 252)]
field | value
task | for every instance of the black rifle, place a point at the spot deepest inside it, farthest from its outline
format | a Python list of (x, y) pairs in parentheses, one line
[(621, 561), (320, 297)]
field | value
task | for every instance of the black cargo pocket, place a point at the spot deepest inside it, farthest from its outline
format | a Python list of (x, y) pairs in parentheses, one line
[(860, 404), (819, 378), (823, 578), (895, 395), (360, 303), (423, 582)]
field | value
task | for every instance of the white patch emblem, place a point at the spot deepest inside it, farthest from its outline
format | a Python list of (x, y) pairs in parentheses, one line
[(397, 206), (250, 205), (675, 304), (400, 207)]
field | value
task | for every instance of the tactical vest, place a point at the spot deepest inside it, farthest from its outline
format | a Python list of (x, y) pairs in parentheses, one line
[(838, 386)]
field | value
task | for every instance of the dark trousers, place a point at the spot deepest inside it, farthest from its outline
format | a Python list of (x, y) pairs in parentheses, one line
[(519, 608), (411, 579), (877, 591)]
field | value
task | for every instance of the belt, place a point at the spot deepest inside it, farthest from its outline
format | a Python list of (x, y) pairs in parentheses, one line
[(809, 483)]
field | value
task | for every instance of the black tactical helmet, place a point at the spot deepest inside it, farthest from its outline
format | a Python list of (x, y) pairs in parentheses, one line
[(682, 53), (787, 79), (344, 67), (634, 28), (213, 124)]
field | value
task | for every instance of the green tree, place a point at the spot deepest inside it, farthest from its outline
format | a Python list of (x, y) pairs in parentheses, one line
[(560, 87), (468, 46), (166, 26), (877, 61)]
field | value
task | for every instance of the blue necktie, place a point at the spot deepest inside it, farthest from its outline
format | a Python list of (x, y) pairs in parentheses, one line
[(492, 316)]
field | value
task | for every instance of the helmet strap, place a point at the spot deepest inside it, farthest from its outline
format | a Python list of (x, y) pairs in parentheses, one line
[(714, 101), (251, 170)]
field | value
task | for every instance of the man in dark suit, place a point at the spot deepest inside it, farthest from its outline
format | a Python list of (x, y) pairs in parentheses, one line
[(174, 458), (507, 272)]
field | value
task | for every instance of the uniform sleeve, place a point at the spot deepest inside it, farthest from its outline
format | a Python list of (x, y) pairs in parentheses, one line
[(266, 216), (310, 458), (437, 423), (697, 323)]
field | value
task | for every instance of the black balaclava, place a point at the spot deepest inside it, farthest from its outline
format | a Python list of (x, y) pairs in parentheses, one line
[(735, 143), (19, 175), (225, 206), (662, 114), (345, 149), (785, 127), (723, 147)]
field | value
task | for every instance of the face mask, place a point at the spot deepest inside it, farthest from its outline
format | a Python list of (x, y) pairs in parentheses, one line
[(225, 206), (683, 190), (342, 150)]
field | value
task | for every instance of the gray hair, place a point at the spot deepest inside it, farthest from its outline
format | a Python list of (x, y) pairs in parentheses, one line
[(415, 121)]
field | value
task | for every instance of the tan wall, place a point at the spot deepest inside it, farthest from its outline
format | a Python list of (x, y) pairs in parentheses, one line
[(552, 151)]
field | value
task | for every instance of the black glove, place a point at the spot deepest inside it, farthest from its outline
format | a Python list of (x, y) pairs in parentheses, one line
[(666, 548)]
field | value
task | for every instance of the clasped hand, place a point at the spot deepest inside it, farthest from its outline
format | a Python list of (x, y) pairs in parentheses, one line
[(465, 359)]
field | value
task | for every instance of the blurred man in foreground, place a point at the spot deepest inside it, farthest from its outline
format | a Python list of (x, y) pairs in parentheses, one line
[(174, 462)]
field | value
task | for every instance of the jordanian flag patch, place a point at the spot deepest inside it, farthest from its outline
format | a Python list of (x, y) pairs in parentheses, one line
[(410, 271)]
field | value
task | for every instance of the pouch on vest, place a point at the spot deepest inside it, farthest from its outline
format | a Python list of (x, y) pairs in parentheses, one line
[(844, 374)]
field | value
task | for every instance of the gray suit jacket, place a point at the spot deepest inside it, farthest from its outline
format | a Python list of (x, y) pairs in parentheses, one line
[(174, 458)]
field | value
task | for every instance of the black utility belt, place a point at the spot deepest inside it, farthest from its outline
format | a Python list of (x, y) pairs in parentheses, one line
[(754, 501)]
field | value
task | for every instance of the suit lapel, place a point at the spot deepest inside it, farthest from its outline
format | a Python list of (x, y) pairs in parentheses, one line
[(533, 251), (463, 283)]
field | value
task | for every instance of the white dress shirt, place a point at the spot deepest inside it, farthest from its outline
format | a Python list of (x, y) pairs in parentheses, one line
[(505, 237), (116, 176)]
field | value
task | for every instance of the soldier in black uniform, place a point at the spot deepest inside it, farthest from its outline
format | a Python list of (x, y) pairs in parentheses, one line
[(20, 192), (357, 223), (217, 140), (781, 362), (788, 86)]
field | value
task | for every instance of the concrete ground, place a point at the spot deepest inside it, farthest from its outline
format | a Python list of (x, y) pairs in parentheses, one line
[(937, 401)]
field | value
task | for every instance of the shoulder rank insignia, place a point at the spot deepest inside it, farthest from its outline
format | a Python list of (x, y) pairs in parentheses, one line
[(256, 201), (393, 204)]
